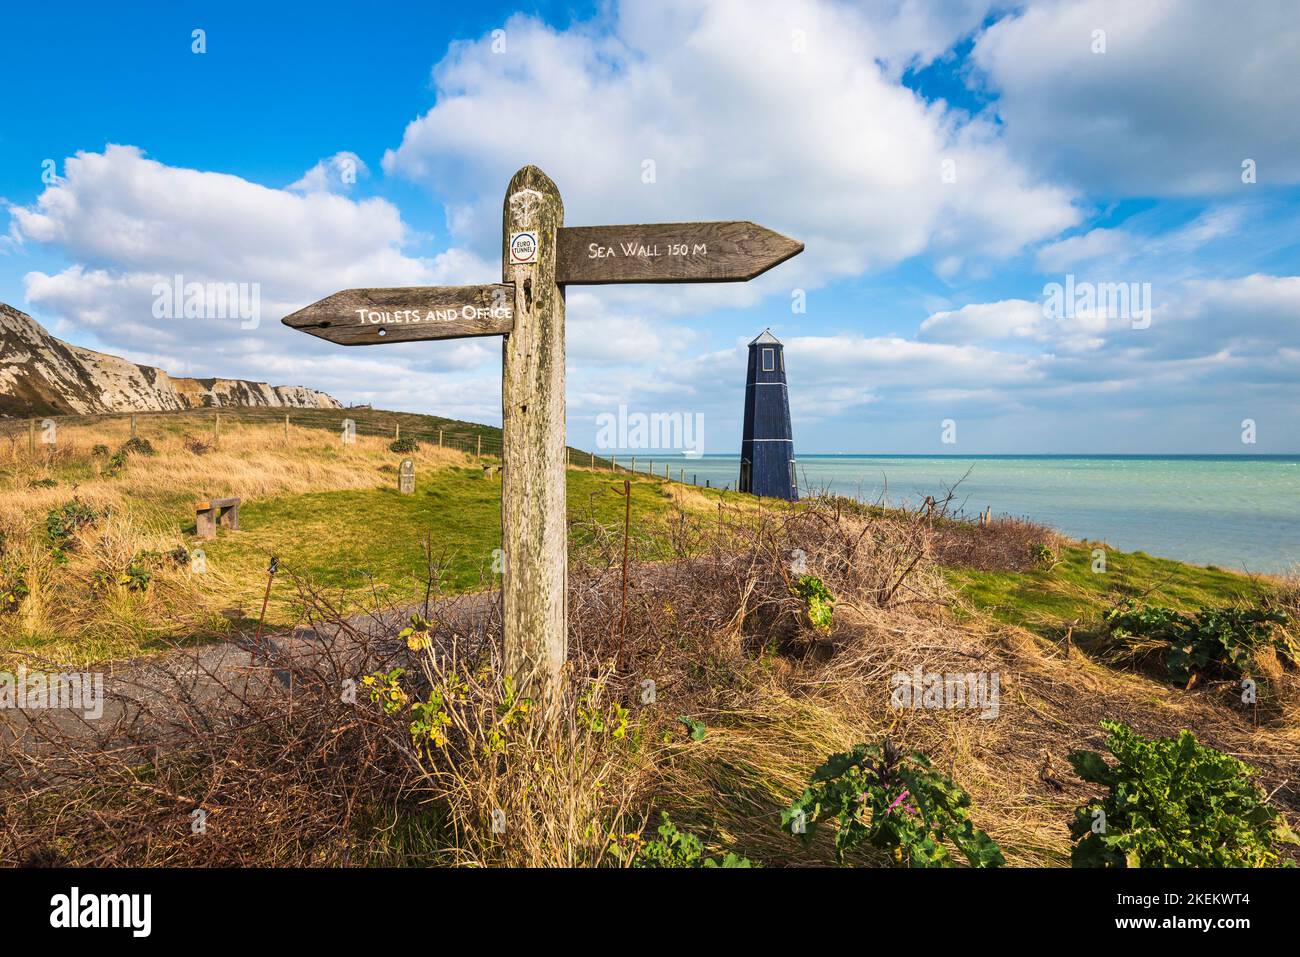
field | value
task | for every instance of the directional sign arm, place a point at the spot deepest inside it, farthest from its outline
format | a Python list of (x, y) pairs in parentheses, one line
[(669, 252), (360, 317)]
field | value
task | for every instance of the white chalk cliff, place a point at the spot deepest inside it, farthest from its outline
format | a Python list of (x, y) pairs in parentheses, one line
[(42, 375)]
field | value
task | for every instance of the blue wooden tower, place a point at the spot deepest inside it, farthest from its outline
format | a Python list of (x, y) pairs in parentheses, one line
[(767, 445)]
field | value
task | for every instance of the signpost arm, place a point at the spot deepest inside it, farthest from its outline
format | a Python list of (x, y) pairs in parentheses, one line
[(534, 525)]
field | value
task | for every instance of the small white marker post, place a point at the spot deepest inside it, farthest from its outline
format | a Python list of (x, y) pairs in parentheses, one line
[(539, 256)]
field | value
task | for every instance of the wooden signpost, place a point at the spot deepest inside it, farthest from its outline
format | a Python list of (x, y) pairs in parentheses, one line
[(539, 256)]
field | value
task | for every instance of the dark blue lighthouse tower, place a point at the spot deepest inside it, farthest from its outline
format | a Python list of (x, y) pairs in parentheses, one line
[(767, 446)]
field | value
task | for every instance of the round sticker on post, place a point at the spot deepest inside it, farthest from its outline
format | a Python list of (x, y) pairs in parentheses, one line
[(523, 248)]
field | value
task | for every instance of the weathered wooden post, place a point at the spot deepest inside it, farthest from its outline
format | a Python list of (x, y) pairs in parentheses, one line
[(132, 426), (216, 429), (539, 256), (31, 437), (534, 522), (397, 433), (286, 426)]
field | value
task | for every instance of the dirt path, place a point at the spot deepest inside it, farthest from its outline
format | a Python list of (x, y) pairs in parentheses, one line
[(151, 701)]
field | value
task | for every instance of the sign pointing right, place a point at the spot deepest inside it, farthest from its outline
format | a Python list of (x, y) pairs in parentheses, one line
[(668, 252)]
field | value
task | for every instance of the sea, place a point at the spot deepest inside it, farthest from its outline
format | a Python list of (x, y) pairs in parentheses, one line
[(1232, 511)]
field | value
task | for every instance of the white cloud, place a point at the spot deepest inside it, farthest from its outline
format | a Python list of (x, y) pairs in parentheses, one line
[(130, 222), (1093, 244), (1011, 318), (822, 145), (1184, 92)]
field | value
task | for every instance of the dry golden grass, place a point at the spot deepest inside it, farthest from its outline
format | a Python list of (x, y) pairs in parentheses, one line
[(148, 508), (725, 643)]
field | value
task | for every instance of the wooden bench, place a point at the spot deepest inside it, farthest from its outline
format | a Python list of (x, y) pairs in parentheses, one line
[(217, 511)]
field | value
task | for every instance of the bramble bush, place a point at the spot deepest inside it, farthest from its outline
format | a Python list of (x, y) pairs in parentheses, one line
[(1212, 639), (893, 801), (1172, 803), (138, 446)]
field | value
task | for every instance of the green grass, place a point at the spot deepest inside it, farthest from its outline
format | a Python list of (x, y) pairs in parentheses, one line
[(353, 541), (1048, 601)]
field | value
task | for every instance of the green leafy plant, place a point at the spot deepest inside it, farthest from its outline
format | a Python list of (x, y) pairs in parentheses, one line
[(13, 589), (896, 802), (99, 450), (1043, 555), (416, 634), (404, 445), (136, 445), (385, 689), (673, 848), (431, 718), (155, 559), (135, 577), (818, 600), (43, 483), (63, 523), (696, 729), (114, 463), (1172, 803), (1211, 639)]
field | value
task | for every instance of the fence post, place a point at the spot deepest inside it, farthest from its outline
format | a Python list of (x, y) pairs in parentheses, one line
[(132, 426), (397, 433), (31, 437), (440, 438), (593, 460), (216, 429), (480, 446), (286, 426)]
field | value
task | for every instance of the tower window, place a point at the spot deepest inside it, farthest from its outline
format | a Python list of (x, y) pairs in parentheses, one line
[(782, 361), (793, 480), (769, 361)]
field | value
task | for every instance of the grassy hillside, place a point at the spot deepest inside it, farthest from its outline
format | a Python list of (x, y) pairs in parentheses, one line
[(753, 691)]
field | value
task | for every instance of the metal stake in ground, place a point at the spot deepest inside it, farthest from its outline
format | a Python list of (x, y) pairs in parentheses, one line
[(270, 577), (627, 531)]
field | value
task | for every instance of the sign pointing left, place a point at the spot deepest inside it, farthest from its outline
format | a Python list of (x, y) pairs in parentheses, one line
[(361, 317), (539, 256)]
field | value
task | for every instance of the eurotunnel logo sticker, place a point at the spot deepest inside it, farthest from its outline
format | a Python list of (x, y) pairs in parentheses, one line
[(523, 248)]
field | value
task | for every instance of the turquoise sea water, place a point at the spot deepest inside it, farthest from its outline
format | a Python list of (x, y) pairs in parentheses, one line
[(1235, 511)]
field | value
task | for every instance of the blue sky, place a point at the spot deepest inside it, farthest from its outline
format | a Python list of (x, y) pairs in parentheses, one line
[(943, 163)]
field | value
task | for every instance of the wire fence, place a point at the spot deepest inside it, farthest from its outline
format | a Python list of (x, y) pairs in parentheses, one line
[(36, 435)]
